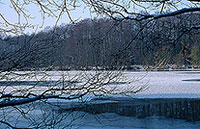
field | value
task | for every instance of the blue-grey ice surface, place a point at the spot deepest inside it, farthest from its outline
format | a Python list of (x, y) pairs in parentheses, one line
[(177, 84), (170, 84), (113, 121)]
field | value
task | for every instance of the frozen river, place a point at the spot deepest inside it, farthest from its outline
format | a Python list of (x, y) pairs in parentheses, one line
[(113, 121), (181, 84), (158, 84), (176, 84)]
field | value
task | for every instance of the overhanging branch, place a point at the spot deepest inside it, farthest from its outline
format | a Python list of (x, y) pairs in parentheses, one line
[(157, 16), (28, 100)]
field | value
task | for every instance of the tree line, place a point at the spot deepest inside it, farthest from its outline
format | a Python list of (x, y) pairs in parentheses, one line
[(106, 43)]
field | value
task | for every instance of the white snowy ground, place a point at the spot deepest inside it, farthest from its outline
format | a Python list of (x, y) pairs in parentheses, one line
[(173, 84), (176, 84), (159, 85)]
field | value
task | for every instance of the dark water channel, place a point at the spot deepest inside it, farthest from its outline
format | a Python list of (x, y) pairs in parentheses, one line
[(179, 108)]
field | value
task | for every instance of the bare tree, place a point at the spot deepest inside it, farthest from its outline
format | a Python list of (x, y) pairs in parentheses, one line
[(19, 89), (26, 81)]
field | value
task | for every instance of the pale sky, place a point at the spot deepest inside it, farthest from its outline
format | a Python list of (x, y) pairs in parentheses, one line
[(80, 12), (11, 16)]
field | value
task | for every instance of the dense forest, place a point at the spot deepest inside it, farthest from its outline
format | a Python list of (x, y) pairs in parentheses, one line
[(105, 43)]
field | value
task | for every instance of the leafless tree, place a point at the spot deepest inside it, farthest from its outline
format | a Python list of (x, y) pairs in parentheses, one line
[(20, 89), (26, 82)]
